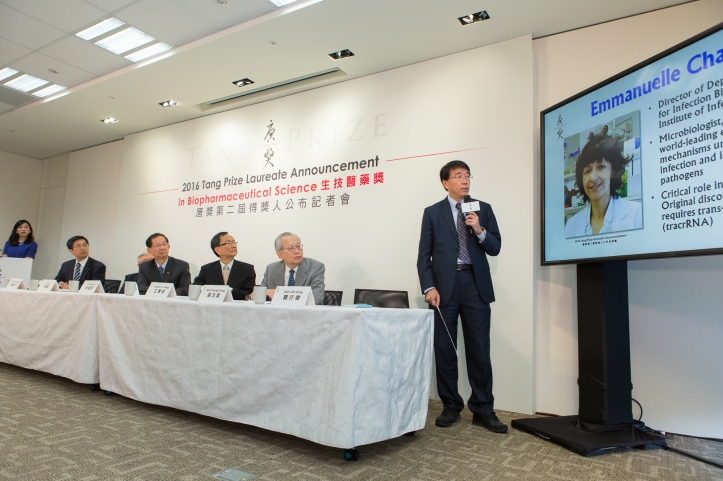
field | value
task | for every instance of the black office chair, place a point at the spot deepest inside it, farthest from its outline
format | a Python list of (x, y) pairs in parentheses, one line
[(332, 298), (380, 298), (111, 286)]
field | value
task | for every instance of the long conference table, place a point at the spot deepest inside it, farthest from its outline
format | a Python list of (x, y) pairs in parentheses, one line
[(338, 376)]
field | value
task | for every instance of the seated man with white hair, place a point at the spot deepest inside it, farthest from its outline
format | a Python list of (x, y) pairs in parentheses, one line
[(294, 269)]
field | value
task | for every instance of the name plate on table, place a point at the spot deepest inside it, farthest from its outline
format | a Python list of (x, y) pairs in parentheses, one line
[(16, 284), (293, 296), (215, 294), (161, 290), (48, 285), (92, 287)]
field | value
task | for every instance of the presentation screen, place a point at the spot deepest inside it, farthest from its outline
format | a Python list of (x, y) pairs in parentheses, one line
[(633, 167)]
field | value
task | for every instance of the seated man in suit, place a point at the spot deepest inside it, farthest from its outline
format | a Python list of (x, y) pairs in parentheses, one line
[(228, 272), (143, 257), (294, 269), (83, 268), (163, 268)]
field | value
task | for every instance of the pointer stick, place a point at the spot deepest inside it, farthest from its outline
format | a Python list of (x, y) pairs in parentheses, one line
[(450, 335)]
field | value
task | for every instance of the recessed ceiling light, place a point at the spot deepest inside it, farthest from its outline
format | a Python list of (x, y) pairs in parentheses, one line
[(243, 82), (148, 52), (49, 90), (100, 28), (125, 40), (474, 17), (281, 3), (346, 53), (25, 83), (168, 103), (109, 120)]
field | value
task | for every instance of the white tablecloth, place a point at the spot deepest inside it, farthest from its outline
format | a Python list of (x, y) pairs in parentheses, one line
[(54, 332), (342, 377)]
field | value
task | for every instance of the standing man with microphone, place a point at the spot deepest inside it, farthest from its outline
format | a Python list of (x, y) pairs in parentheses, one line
[(455, 278)]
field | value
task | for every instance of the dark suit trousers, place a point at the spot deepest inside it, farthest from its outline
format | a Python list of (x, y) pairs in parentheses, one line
[(475, 313)]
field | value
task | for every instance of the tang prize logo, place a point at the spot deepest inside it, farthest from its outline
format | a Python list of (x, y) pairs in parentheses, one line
[(270, 141)]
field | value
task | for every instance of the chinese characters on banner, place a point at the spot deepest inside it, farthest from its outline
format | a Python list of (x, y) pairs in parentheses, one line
[(298, 203)]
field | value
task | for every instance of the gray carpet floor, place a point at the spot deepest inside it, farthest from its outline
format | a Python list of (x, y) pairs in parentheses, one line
[(54, 429)]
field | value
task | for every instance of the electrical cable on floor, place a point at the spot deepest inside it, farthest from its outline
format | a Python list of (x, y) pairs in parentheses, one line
[(718, 440), (680, 451), (698, 458), (641, 408)]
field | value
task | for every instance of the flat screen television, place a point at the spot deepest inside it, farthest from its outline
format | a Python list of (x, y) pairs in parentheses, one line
[(632, 167)]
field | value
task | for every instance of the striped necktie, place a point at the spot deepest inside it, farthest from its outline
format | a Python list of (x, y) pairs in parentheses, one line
[(76, 275), (462, 234), (160, 271)]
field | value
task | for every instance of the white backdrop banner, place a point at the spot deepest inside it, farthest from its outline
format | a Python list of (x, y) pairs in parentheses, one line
[(350, 168)]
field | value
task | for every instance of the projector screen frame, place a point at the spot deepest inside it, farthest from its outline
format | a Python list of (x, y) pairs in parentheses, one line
[(655, 255)]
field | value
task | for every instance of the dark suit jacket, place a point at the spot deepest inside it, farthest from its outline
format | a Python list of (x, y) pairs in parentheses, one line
[(439, 250), (93, 271), (177, 273), (129, 278), (241, 278)]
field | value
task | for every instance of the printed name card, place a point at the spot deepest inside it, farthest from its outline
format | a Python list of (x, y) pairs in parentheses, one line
[(293, 296), (161, 290), (48, 285), (215, 294), (16, 284), (470, 206), (92, 287)]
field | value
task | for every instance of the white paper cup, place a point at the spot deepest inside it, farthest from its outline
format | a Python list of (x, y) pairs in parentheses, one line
[(130, 288), (259, 294), (73, 286), (34, 284), (194, 291)]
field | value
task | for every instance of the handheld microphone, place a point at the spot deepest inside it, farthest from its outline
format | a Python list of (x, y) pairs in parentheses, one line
[(468, 199)]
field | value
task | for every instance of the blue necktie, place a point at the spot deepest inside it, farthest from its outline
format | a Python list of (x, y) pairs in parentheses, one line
[(76, 275), (291, 277), (160, 270), (462, 234)]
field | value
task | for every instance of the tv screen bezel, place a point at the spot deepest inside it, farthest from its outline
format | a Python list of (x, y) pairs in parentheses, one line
[(656, 255)]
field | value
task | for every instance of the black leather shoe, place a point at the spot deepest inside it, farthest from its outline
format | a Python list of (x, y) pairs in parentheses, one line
[(490, 422), (447, 418)]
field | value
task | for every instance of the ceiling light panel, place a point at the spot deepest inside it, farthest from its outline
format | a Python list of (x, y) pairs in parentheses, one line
[(49, 90), (281, 3), (26, 83), (7, 72), (100, 28), (148, 52), (125, 40)]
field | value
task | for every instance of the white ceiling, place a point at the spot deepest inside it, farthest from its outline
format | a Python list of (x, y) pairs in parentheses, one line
[(216, 43)]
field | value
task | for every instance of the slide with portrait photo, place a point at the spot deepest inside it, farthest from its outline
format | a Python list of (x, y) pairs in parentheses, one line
[(635, 167)]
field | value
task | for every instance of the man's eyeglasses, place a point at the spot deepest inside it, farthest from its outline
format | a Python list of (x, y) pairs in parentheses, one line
[(460, 177), (158, 246), (229, 243), (294, 248), (80, 245)]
